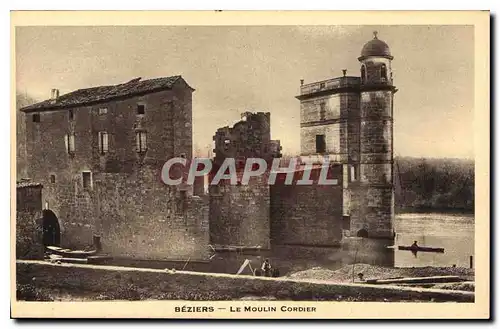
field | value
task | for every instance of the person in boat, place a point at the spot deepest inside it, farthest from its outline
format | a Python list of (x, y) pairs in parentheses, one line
[(414, 245), (266, 267)]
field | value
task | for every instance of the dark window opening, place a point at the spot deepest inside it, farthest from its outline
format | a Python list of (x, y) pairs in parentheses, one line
[(362, 233), (141, 109), (383, 72), (52, 179), (363, 74), (71, 115), (36, 117), (346, 222), (320, 144), (87, 179), (322, 111), (322, 85)]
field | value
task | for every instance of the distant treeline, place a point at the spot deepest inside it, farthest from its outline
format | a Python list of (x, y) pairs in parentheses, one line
[(434, 184)]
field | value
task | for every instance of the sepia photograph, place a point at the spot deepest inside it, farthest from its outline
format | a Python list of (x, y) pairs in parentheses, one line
[(250, 170)]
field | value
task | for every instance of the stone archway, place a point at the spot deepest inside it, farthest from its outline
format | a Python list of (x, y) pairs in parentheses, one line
[(51, 229)]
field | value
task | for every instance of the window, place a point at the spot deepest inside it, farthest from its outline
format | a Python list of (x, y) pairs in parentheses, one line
[(87, 179), (36, 117), (383, 72), (322, 85), (69, 140), (141, 141), (322, 111), (363, 74), (103, 142), (71, 115), (52, 179), (320, 144), (141, 109), (353, 173), (103, 110)]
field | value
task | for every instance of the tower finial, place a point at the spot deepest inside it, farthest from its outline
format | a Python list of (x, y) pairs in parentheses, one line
[(375, 34)]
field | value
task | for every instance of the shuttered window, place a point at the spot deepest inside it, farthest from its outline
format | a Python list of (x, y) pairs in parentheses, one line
[(103, 142), (141, 141), (69, 141)]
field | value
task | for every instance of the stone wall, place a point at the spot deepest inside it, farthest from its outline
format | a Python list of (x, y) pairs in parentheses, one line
[(240, 214), (29, 221), (29, 235), (135, 215), (309, 215)]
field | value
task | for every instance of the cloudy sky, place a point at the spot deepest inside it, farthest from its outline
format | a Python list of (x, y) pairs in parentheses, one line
[(237, 69)]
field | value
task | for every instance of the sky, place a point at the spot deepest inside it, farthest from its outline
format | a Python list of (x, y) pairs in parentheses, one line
[(235, 69)]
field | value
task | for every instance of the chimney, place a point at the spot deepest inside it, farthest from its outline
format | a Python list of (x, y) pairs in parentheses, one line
[(344, 72), (54, 94), (301, 82)]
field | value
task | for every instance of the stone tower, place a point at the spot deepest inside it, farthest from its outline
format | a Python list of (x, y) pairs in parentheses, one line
[(348, 121), (372, 205)]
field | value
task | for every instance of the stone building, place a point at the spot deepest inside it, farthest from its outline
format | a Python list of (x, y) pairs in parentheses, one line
[(99, 153), (349, 121)]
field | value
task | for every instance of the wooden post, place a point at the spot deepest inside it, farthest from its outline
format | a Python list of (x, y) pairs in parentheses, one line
[(471, 261)]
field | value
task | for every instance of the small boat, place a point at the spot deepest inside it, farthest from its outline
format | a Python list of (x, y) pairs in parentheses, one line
[(423, 249), (70, 253)]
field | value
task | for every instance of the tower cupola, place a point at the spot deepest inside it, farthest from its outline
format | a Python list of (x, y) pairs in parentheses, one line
[(375, 62)]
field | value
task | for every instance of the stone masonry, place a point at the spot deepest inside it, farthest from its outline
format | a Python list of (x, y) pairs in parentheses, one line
[(110, 187)]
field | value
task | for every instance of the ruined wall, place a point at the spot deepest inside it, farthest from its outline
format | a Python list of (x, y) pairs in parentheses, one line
[(248, 138), (240, 214)]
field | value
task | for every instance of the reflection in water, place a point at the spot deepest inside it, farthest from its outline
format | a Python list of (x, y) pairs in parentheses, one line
[(454, 233)]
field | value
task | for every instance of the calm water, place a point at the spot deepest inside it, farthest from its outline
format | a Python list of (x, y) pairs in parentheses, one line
[(453, 232)]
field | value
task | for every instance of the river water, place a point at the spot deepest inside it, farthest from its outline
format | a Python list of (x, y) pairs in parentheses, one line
[(453, 232)]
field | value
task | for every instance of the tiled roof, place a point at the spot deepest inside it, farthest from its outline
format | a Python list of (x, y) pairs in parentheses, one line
[(100, 94), (27, 183)]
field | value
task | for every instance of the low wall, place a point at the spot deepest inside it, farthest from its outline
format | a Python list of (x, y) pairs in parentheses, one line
[(142, 284), (29, 235)]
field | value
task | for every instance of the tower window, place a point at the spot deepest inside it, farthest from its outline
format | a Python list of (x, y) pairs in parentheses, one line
[(383, 72), (52, 179), (363, 74), (353, 174), (141, 141), (69, 140), (103, 142), (322, 111), (320, 144), (71, 115), (87, 179), (36, 117), (141, 109)]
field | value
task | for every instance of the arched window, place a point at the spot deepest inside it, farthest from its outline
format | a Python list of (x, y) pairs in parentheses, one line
[(363, 74), (383, 72)]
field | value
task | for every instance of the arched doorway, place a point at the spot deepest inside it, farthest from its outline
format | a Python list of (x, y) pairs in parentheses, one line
[(51, 229)]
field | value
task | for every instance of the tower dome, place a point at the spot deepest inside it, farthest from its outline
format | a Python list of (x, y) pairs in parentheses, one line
[(375, 47)]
